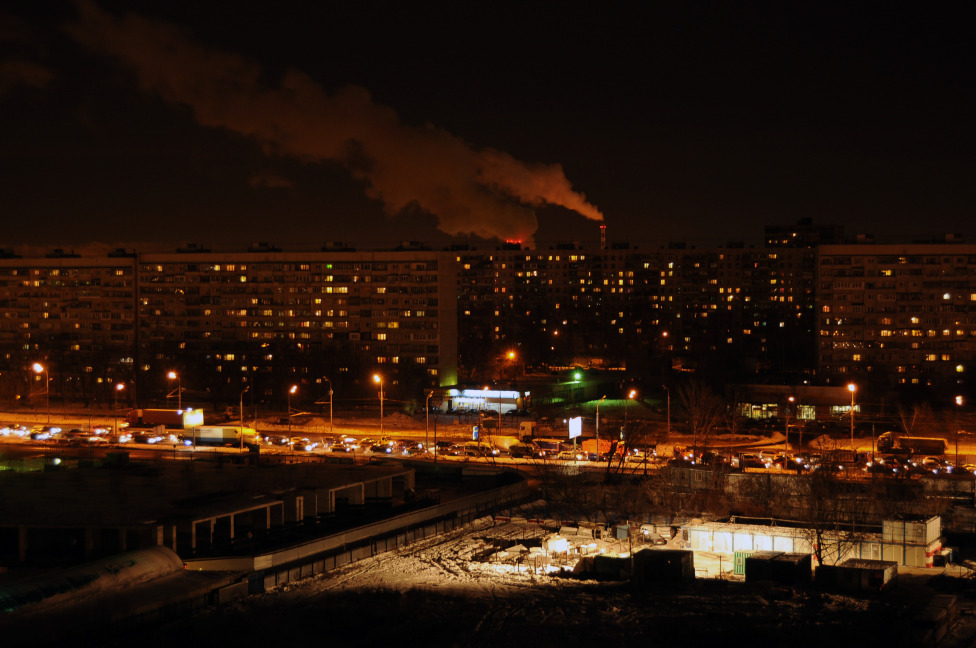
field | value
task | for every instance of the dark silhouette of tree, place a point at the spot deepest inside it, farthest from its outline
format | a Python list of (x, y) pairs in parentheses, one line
[(704, 411)]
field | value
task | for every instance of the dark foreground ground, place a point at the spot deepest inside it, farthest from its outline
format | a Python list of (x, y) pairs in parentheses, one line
[(585, 613)]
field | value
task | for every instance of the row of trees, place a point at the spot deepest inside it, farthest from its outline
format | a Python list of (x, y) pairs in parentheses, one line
[(831, 512)]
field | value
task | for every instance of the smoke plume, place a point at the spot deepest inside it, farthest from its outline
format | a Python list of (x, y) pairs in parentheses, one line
[(483, 192)]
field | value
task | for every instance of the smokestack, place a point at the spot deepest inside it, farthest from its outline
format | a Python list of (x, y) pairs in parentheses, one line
[(603, 237)]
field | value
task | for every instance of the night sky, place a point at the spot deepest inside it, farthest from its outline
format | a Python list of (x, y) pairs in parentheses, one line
[(151, 124)]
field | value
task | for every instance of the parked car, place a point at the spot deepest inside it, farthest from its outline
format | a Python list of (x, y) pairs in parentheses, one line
[(380, 448), (749, 460), (441, 447), (710, 458), (569, 455), (525, 450), (302, 443), (935, 464), (480, 449)]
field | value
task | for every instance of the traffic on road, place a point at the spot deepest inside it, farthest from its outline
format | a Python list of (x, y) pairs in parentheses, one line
[(410, 446)]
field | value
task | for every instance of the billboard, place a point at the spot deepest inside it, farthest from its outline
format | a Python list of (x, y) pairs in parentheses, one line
[(575, 427)]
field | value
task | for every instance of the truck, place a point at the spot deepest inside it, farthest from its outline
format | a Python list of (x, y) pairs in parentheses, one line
[(911, 445), (172, 419), (225, 435), (550, 446)]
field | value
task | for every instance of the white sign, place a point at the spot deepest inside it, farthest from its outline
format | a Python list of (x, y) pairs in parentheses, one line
[(575, 427)]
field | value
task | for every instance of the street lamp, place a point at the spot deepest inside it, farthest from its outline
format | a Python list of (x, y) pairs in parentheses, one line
[(511, 363), (959, 401), (598, 425), (852, 388), (668, 391), (294, 388), (630, 397), (179, 389), (427, 430), (241, 411), (786, 441), (41, 369), (378, 380), (118, 387), (330, 402), (498, 395)]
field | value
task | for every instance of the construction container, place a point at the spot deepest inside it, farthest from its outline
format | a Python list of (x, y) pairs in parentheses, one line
[(664, 565), (858, 575), (739, 562)]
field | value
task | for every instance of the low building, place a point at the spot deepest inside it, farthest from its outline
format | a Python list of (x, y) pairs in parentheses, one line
[(913, 543)]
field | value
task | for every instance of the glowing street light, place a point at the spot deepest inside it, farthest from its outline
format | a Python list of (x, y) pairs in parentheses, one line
[(786, 440), (118, 388), (378, 380), (330, 401), (959, 402), (630, 396), (179, 389), (241, 412), (294, 388), (41, 369), (427, 430), (602, 398), (668, 392), (852, 388)]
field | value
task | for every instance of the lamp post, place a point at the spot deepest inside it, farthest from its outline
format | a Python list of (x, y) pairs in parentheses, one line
[(786, 441), (41, 369), (667, 438), (241, 411), (378, 380), (602, 398), (630, 397), (115, 409), (179, 388), (499, 411), (330, 403), (294, 388), (959, 401), (427, 429), (511, 355), (852, 388)]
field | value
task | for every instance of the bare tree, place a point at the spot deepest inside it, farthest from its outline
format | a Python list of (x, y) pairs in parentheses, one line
[(640, 435), (566, 491), (662, 494), (919, 421), (735, 398), (704, 411), (834, 509)]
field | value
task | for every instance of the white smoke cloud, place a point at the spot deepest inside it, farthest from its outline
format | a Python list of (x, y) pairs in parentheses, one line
[(483, 192)]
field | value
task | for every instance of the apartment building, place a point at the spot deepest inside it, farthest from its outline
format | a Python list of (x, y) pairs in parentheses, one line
[(230, 321), (264, 319), (897, 314), (76, 313)]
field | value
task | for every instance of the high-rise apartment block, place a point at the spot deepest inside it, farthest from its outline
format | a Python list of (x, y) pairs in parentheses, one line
[(229, 320), (786, 313), (898, 314)]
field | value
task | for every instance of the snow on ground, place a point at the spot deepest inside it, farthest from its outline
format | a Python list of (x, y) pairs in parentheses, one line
[(447, 591)]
